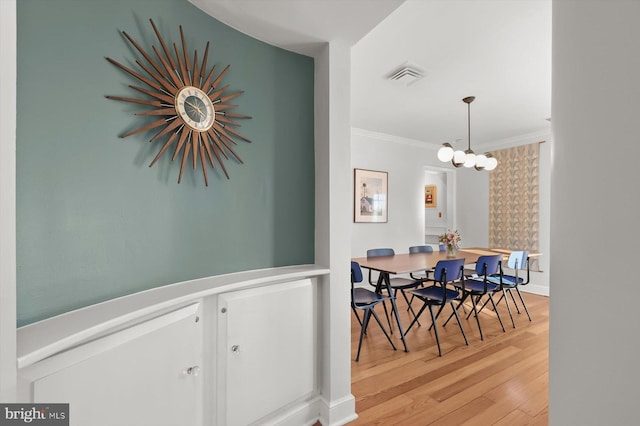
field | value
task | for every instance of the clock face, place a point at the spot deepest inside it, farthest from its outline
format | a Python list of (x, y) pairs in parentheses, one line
[(195, 108), (181, 92)]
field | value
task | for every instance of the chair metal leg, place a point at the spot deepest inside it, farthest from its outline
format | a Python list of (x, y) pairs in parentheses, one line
[(475, 312), (375, 316), (394, 310), (455, 312), (514, 299), (365, 323), (408, 303), (424, 306), (434, 317), (495, 308), (485, 304), (437, 315), (413, 296), (386, 314), (435, 329), (383, 284), (475, 306), (506, 301), (355, 312), (460, 303), (523, 304)]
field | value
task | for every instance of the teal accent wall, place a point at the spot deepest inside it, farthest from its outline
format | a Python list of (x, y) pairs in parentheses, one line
[(94, 222)]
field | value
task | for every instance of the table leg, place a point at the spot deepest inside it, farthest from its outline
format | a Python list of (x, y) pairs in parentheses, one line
[(394, 308)]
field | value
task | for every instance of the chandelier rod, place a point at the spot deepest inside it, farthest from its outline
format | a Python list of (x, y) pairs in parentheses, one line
[(469, 125), (468, 101)]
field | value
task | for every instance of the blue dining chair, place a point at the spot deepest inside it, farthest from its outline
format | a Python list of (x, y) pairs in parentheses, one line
[(365, 300), (396, 283), (424, 276), (446, 272), (519, 262), (480, 285), (421, 276)]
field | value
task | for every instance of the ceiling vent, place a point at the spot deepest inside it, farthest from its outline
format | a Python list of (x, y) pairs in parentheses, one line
[(406, 74)]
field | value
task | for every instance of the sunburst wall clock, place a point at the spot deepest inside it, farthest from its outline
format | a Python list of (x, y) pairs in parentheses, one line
[(194, 109)]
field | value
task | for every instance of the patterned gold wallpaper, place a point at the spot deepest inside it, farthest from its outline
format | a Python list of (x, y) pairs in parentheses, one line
[(514, 199)]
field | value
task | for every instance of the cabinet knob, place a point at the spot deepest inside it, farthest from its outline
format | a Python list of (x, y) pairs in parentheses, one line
[(235, 349), (193, 371)]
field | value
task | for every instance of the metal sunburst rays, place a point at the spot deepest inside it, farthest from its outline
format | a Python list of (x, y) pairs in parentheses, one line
[(185, 124)]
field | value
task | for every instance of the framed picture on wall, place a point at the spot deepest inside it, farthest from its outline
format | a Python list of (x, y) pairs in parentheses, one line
[(370, 202), (430, 196)]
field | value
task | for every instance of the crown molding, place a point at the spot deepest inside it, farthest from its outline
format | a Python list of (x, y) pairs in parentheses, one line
[(526, 138), (392, 138)]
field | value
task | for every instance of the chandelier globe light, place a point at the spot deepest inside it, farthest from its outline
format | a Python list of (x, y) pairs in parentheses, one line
[(458, 158), (445, 153), (467, 158), (492, 162), (481, 162)]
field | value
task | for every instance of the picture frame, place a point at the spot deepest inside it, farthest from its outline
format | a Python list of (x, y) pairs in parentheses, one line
[(370, 196), (430, 196)]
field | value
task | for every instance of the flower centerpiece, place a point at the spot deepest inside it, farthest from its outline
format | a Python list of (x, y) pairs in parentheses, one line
[(450, 239)]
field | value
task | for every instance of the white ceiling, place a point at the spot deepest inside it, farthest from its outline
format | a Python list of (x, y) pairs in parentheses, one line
[(300, 25), (496, 50)]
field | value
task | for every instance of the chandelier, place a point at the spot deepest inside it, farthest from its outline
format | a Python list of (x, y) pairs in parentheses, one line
[(467, 158)]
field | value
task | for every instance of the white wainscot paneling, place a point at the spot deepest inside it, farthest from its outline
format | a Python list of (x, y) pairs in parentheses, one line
[(169, 356), (267, 341), (145, 375)]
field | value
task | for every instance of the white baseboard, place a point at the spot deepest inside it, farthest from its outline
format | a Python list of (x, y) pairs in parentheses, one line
[(303, 413), (338, 413), (535, 289)]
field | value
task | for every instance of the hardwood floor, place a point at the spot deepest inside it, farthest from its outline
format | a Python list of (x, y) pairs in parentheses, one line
[(500, 381)]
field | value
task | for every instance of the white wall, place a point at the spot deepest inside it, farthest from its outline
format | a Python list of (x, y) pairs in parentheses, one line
[(472, 207), (8, 201), (333, 233), (594, 341), (404, 161)]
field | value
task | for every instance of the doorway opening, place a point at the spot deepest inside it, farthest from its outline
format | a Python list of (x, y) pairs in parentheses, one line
[(439, 203)]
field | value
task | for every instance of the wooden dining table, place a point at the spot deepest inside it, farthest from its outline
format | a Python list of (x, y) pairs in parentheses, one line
[(405, 263)]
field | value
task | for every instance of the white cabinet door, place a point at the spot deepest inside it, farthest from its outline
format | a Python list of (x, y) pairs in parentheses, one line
[(267, 343), (137, 376)]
